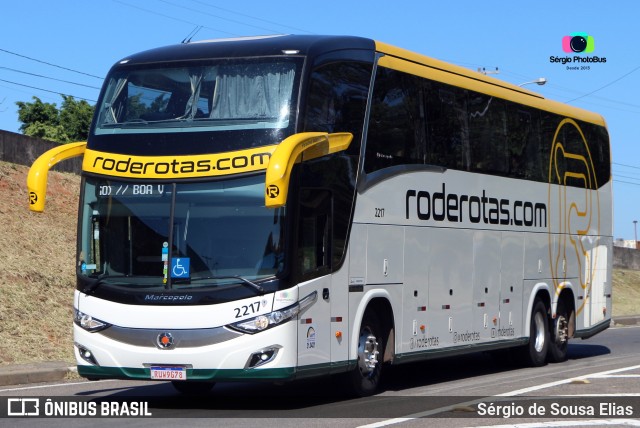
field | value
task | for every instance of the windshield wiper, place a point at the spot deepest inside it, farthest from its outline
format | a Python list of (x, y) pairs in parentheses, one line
[(98, 281), (242, 280), (104, 279)]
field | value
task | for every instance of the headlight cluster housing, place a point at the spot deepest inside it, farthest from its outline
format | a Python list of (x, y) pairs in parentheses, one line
[(275, 318), (87, 322)]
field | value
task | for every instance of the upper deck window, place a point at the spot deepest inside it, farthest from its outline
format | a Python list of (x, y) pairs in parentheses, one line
[(226, 95)]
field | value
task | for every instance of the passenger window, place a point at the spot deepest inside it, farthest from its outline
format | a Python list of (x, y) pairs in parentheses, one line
[(448, 127), (397, 129)]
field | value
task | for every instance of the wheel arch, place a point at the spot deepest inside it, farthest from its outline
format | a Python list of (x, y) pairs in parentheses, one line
[(541, 291), (379, 301), (567, 297)]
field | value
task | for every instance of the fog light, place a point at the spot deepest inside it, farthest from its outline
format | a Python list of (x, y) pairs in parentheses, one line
[(86, 355), (262, 357)]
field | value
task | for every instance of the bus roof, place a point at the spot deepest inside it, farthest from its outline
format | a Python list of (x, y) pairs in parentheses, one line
[(312, 45), (251, 46)]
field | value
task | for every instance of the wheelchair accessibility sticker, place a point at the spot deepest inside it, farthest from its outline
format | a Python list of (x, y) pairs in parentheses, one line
[(180, 267)]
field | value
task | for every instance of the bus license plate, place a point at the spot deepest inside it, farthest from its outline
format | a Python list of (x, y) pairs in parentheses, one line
[(168, 373)]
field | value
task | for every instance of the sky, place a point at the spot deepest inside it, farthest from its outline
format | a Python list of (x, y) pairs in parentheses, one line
[(67, 46)]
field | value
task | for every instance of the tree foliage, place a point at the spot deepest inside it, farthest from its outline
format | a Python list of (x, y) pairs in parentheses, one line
[(44, 120)]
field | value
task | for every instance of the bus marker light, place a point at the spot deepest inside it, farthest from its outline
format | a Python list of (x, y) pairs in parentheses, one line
[(338, 335), (422, 308)]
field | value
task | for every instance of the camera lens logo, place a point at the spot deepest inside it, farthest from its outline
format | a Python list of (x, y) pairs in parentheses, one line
[(577, 43)]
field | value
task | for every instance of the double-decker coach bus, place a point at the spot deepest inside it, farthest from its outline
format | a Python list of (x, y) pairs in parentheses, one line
[(279, 207)]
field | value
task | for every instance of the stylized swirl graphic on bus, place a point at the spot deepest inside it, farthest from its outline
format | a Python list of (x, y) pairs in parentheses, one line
[(574, 213)]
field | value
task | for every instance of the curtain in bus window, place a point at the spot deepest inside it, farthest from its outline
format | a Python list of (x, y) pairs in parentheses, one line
[(111, 113), (252, 92), (192, 104)]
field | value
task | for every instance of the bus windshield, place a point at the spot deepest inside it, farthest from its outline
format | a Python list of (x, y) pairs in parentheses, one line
[(179, 234), (223, 95)]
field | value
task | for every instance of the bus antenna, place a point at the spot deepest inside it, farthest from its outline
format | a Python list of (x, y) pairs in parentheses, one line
[(191, 34)]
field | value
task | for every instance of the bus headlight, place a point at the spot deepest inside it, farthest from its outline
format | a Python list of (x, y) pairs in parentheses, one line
[(87, 322), (272, 319)]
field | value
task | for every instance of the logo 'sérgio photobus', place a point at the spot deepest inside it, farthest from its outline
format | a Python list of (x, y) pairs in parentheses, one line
[(578, 44)]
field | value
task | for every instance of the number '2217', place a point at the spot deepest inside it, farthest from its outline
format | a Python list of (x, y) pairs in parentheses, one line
[(245, 310)]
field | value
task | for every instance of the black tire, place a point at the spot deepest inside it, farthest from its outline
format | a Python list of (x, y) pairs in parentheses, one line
[(535, 352), (364, 380), (559, 335), (193, 388)]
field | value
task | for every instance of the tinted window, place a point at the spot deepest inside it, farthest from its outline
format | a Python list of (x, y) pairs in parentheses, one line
[(397, 132), (417, 121)]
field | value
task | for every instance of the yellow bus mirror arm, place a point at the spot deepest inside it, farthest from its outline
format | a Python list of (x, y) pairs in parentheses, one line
[(310, 145), (37, 177)]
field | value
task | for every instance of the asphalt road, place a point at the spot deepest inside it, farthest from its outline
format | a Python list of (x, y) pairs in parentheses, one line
[(599, 385)]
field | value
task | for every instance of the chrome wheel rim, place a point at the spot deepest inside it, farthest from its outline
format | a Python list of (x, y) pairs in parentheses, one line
[(561, 330), (539, 332), (367, 352)]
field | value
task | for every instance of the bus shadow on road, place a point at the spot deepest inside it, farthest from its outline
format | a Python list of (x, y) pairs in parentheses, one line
[(440, 371)]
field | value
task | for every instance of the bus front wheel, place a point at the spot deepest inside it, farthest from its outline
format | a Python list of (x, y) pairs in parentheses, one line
[(365, 379)]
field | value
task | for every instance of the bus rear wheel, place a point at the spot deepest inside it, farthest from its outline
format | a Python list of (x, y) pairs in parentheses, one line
[(559, 335), (535, 352), (365, 378)]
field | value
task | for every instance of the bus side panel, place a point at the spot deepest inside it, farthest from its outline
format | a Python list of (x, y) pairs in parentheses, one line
[(450, 286), (376, 270), (486, 283), (339, 327), (314, 328), (417, 322), (536, 255), (511, 286), (598, 308)]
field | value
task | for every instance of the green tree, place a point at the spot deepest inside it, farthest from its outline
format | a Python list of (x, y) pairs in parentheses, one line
[(75, 118), (44, 120), (47, 132)]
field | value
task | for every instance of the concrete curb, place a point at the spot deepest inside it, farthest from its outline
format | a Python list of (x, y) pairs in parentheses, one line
[(626, 320), (48, 371), (53, 371)]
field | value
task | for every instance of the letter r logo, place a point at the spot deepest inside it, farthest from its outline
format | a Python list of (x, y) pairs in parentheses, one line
[(273, 191)]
